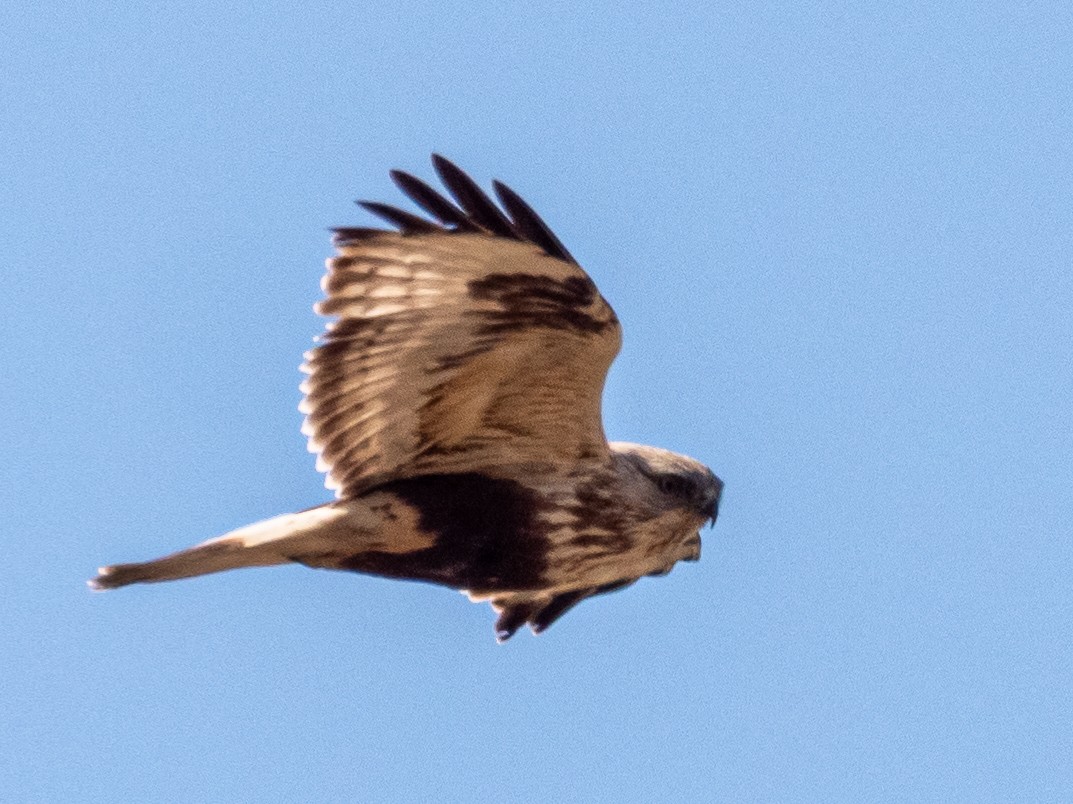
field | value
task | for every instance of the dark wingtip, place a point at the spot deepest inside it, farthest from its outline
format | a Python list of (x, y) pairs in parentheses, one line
[(343, 235), (431, 201), (475, 211), (407, 222), (472, 199), (530, 225)]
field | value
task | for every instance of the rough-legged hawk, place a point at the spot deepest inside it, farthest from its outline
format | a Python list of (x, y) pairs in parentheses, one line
[(454, 403)]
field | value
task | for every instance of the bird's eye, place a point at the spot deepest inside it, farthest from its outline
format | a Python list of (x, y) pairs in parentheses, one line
[(674, 485)]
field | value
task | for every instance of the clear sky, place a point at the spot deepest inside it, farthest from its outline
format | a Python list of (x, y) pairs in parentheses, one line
[(840, 241)]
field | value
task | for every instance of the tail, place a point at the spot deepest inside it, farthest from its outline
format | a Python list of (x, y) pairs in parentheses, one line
[(279, 540)]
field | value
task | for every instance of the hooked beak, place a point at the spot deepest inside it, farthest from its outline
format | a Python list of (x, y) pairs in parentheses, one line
[(711, 512), (711, 509)]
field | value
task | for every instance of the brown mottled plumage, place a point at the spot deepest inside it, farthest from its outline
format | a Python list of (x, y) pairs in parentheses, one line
[(454, 403)]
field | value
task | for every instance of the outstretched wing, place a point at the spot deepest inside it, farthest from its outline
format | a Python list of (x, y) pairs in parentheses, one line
[(469, 343)]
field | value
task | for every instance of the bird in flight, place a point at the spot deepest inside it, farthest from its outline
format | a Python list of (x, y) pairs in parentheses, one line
[(454, 402)]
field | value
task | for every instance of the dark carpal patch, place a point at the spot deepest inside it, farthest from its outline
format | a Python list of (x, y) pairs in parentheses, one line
[(487, 536), (533, 300)]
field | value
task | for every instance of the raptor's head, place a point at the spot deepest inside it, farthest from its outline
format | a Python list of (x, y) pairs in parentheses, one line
[(679, 495)]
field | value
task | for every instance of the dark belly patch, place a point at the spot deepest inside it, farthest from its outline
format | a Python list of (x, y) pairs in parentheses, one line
[(486, 535)]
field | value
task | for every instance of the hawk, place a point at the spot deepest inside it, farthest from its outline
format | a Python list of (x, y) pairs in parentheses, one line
[(454, 402)]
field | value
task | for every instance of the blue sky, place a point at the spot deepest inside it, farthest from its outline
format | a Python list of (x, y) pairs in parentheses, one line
[(839, 239)]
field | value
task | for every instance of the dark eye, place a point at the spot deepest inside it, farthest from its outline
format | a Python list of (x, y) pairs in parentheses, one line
[(674, 485)]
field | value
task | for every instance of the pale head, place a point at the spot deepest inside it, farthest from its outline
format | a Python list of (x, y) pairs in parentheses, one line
[(678, 495)]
